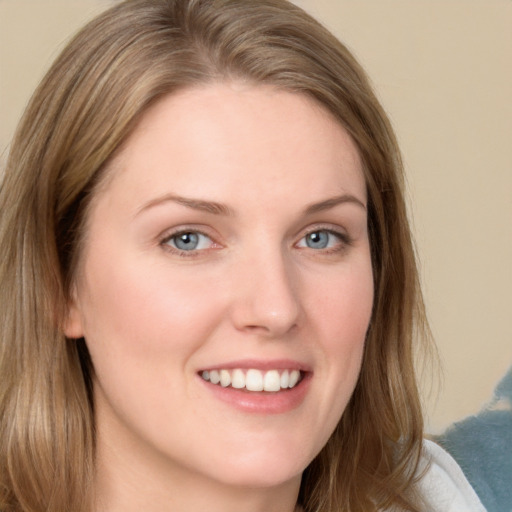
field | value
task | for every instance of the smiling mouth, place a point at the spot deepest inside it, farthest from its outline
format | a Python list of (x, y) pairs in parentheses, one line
[(253, 379)]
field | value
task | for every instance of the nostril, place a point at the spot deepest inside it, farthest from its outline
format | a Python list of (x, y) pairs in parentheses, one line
[(269, 330)]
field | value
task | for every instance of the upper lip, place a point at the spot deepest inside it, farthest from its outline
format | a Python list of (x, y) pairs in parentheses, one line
[(260, 364)]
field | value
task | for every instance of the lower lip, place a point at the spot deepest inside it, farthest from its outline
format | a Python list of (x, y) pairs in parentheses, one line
[(262, 402)]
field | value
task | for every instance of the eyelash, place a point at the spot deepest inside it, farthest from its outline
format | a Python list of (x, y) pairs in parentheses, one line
[(344, 241)]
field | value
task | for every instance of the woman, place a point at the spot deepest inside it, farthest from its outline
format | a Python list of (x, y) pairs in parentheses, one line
[(209, 292)]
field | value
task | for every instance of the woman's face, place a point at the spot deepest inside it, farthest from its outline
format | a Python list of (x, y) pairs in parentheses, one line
[(229, 242)]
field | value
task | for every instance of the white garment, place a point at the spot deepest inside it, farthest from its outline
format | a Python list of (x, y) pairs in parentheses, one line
[(444, 487)]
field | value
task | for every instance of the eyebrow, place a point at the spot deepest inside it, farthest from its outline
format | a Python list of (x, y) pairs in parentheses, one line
[(195, 204), (332, 202), (216, 208)]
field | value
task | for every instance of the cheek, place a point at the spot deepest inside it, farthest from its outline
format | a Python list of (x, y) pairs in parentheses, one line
[(343, 306), (342, 314), (139, 311), (142, 327)]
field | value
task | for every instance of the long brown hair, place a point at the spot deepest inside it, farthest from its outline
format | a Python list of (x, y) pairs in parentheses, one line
[(84, 109)]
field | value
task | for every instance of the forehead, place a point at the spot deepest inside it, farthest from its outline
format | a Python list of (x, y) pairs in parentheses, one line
[(230, 135)]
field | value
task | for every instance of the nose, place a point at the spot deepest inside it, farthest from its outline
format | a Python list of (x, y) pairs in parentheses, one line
[(266, 295)]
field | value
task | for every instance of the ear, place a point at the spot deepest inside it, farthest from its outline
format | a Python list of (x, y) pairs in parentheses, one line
[(73, 325)]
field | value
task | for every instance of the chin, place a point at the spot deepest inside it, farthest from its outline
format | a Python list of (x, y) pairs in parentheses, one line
[(260, 477), (259, 470)]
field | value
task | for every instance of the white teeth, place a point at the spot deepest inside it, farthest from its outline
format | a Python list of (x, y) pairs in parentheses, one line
[(294, 378), (285, 379), (214, 377), (252, 379), (225, 378), (272, 381), (238, 379)]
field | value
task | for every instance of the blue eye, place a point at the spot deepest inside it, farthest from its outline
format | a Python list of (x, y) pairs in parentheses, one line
[(321, 239), (318, 239), (188, 241)]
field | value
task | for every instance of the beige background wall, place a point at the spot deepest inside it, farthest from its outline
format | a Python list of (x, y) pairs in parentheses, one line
[(443, 71)]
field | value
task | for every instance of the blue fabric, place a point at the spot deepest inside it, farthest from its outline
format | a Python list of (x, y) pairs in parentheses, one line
[(482, 446)]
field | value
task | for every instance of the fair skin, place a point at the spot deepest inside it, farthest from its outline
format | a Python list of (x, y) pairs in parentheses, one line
[(229, 237)]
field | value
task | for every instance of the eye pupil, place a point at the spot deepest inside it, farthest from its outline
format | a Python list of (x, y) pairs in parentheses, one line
[(317, 240), (186, 241)]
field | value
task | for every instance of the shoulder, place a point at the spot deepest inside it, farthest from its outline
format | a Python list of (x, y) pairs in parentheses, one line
[(442, 485)]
